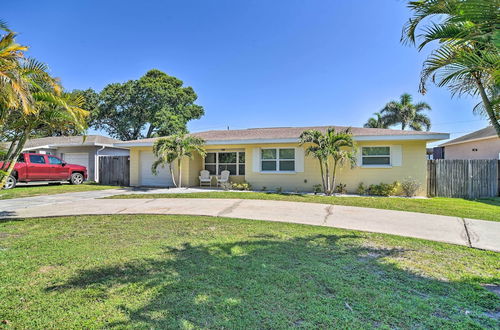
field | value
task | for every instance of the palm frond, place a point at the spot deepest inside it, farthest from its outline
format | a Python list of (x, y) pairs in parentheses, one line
[(4, 26)]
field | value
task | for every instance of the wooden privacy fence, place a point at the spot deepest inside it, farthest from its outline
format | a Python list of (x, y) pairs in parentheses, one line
[(463, 178), (114, 170)]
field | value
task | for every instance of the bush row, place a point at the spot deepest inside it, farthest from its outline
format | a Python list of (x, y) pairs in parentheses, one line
[(408, 187)]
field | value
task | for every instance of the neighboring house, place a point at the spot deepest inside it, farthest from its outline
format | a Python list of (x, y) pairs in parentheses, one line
[(482, 144), (272, 158), (437, 153), (77, 149), (430, 153)]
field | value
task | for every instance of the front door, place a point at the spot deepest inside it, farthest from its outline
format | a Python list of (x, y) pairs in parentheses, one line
[(57, 170), (38, 169)]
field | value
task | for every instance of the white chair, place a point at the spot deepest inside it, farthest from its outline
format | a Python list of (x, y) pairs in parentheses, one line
[(224, 178), (205, 178)]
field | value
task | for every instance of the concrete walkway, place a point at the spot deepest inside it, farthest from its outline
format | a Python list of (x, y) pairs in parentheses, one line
[(473, 233)]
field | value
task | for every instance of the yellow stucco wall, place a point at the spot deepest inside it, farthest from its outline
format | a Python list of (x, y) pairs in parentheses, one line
[(189, 167), (134, 165), (413, 165)]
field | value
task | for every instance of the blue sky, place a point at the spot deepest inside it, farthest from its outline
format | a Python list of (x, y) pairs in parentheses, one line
[(253, 63)]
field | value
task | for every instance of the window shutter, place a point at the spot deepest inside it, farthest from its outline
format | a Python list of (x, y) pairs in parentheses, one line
[(299, 159), (256, 159), (396, 155)]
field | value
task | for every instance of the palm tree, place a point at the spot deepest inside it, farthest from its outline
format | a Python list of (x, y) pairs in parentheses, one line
[(467, 59), (332, 149), (406, 113), (14, 91), (50, 108), (377, 122), (30, 99), (176, 147)]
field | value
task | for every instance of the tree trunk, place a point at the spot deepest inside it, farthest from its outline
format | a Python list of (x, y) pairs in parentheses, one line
[(9, 153), (180, 172), (171, 167), (334, 170), (487, 105), (15, 156), (322, 175), (327, 179), (150, 131)]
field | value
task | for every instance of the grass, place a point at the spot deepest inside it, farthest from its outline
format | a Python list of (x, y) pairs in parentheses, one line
[(146, 271), (485, 209), (49, 189)]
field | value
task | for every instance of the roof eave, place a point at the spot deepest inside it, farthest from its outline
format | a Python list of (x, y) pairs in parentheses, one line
[(406, 137), (62, 145), (450, 143)]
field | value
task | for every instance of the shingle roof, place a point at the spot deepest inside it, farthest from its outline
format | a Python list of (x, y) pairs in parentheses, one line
[(480, 134), (69, 140), (285, 133)]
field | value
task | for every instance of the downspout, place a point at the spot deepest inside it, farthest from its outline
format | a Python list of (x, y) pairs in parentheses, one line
[(96, 164)]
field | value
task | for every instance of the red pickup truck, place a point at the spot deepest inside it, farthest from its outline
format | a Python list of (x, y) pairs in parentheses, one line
[(31, 167)]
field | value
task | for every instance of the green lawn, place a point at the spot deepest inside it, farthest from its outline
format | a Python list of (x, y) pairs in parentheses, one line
[(486, 209), (199, 272), (46, 189)]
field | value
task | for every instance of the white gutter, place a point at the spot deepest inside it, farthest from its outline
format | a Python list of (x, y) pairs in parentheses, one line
[(54, 146), (40, 147), (125, 145), (425, 137)]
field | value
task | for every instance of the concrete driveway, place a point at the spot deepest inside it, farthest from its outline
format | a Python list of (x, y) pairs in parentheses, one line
[(14, 204), (468, 232)]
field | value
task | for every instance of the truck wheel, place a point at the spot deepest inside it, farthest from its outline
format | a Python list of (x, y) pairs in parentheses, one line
[(11, 182), (76, 178)]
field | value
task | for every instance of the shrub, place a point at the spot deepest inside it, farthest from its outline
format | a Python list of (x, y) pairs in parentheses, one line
[(241, 186), (410, 186), (279, 190), (317, 188), (341, 188), (361, 190), (264, 188), (384, 189)]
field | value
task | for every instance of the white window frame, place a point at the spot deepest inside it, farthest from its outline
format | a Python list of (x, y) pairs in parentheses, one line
[(371, 156), (277, 160), (217, 160)]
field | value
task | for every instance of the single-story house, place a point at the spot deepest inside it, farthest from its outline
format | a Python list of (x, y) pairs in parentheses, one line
[(481, 144), (77, 149), (272, 158)]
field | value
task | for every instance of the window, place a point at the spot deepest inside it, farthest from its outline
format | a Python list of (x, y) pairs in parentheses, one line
[(54, 160), (37, 159), (279, 159), (21, 158), (376, 156), (233, 161)]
